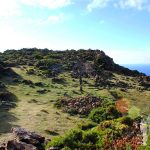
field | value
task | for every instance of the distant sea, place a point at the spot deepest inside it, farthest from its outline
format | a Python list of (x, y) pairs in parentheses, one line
[(144, 68)]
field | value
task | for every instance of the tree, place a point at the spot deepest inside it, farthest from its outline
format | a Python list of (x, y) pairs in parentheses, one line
[(81, 69)]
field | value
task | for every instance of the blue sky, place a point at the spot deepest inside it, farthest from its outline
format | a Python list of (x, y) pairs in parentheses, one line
[(119, 27)]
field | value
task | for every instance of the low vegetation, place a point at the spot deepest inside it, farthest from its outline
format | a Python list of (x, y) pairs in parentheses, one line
[(79, 99)]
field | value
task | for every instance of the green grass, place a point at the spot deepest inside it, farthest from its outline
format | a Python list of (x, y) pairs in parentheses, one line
[(36, 112)]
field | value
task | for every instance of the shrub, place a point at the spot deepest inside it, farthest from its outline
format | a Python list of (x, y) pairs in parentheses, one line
[(2, 85), (148, 142), (134, 112), (116, 94), (112, 112), (100, 114), (127, 121), (97, 115), (87, 125), (90, 137), (72, 140), (58, 80), (30, 71), (78, 139)]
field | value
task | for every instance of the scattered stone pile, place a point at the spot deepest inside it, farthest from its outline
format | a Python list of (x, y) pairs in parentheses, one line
[(80, 105), (144, 81), (24, 140)]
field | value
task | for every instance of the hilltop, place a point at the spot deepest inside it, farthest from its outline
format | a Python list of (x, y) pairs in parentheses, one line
[(51, 92)]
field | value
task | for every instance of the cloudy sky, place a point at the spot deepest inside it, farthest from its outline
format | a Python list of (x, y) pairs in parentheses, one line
[(119, 27)]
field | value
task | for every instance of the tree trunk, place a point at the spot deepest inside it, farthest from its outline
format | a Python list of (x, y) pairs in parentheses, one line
[(80, 80)]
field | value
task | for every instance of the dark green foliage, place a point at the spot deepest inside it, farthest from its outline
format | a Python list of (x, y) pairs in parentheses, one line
[(2, 85), (87, 125), (58, 80), (100, 114), (27, 82), (42, 91), (40, 84), (31, 71), (7, 100), (90, 137), (54, 133), (46, 63), (116, 94), (47, 73), (58, 61), (70, 140), (148, 142), (97, 115), (78, 139), (127, 120), (7, 96)]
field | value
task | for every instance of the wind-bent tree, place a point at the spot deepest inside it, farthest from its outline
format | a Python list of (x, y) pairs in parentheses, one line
[(82, 69)]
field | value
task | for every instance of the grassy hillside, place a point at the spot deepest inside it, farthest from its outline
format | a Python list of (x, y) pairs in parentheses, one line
[(39, 79)]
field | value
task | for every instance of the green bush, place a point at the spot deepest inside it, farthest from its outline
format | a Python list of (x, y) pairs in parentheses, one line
[(46, 62), (87, 125), (90, 137), (127, 121), (30, 71), (71, 140), (116, 94), (100, 114), (148, 142), (77, 139), (97, 115)]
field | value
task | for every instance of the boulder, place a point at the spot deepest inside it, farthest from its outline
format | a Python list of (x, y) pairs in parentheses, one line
[(29, 137), (15, 145), (2, 146)]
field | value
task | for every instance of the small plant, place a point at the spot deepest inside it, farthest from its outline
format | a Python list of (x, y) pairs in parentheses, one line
[(134, 112)]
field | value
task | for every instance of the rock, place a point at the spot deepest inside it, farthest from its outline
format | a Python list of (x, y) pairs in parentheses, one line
[(2, 146), (14, 145), (80, 105), (29, 137), (24, 140), (47, 141)]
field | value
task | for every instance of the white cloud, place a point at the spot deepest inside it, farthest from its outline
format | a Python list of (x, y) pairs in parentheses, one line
[(50, 19), (9, 8), (55, 18), (51, 4), (12, 39), (13, 7), (137, 4), (97, 4)]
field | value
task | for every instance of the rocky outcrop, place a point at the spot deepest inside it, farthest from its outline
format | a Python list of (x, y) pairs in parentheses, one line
[(79, 105), (15, 145), (24, 140)]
